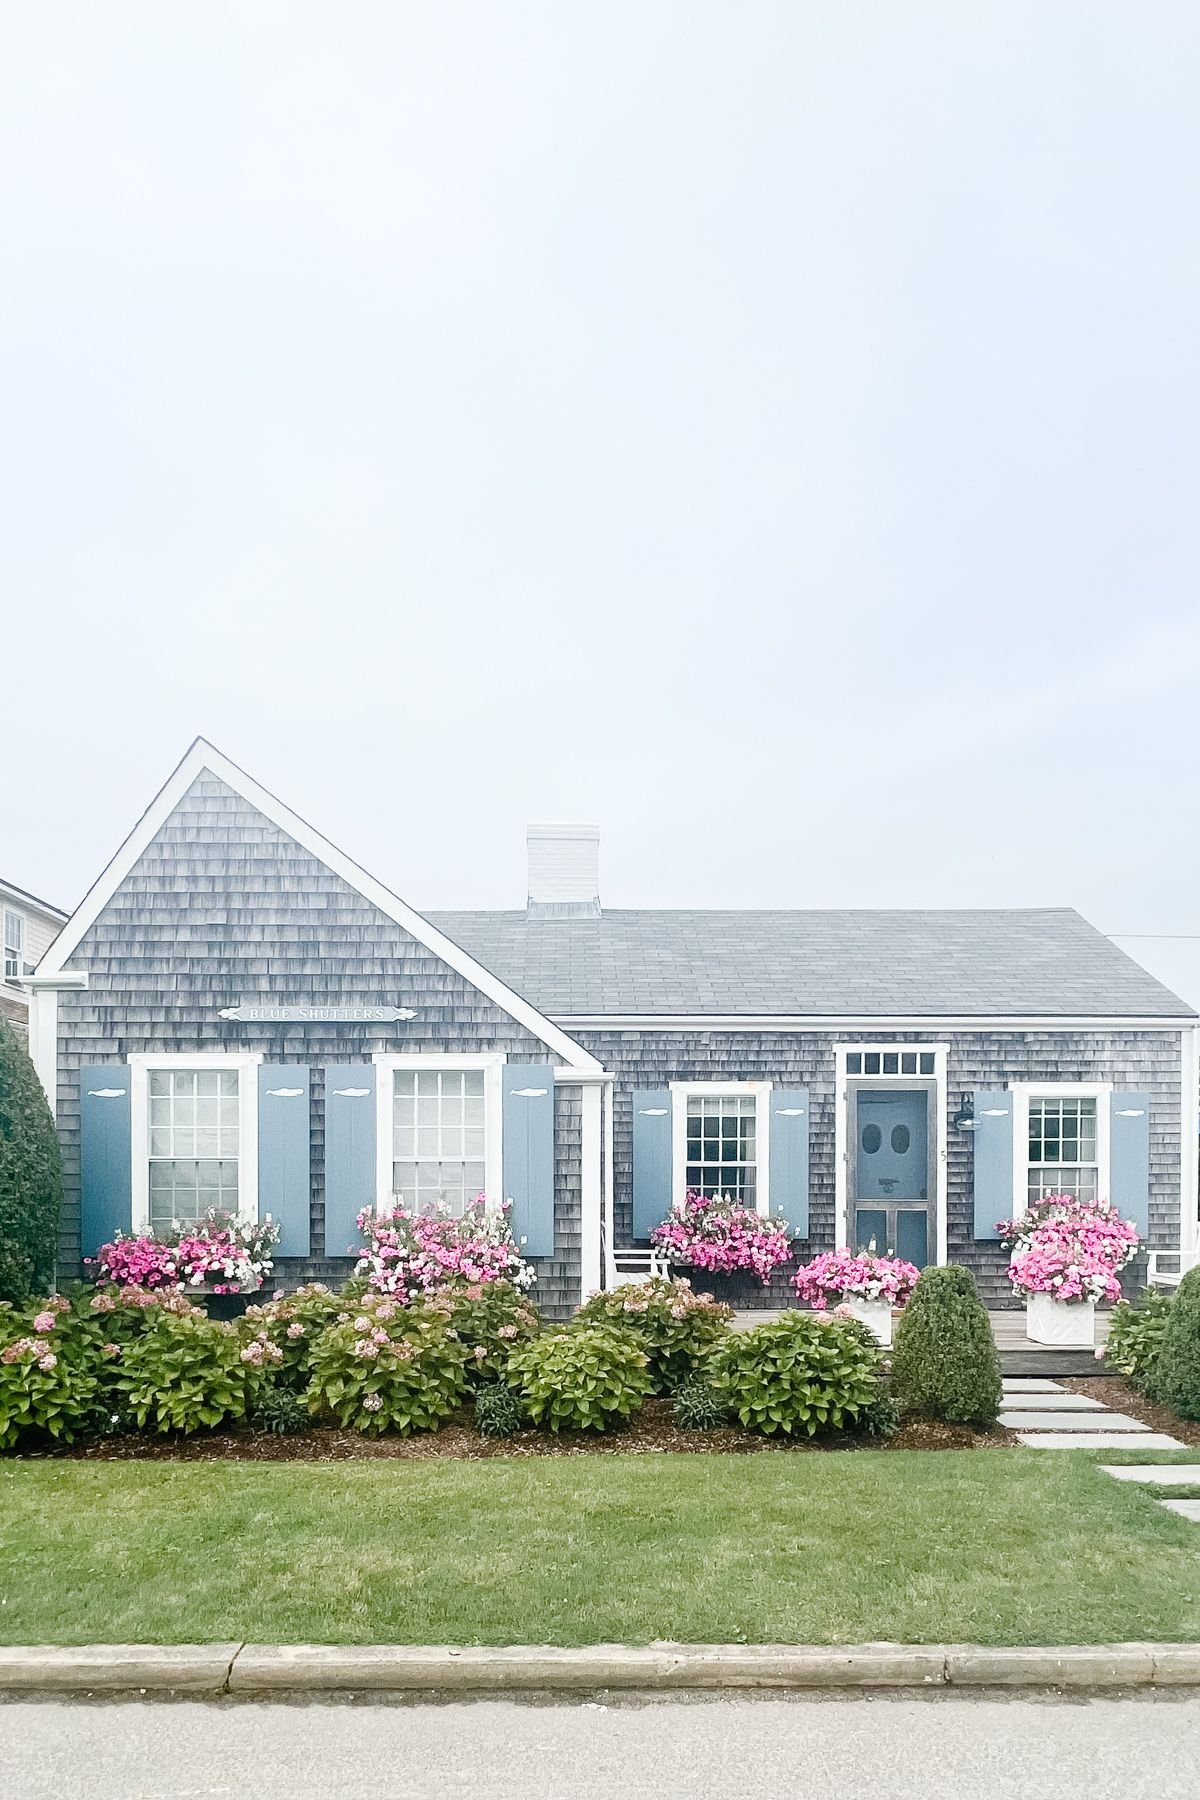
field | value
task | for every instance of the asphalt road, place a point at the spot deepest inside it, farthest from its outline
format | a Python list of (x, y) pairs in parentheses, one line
[(880, 1748)]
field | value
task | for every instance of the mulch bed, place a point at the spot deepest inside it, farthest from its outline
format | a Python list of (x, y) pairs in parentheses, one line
[(1118, 1396), (652, 1431)]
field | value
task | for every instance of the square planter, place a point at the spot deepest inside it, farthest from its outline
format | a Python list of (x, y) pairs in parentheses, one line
[(1067, 1324), (875, 1314)]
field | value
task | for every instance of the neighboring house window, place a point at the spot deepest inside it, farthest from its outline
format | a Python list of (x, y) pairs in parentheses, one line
[(719, 1140), (14, 945), (439, 1130), (195, 1137), (1064, 1149)]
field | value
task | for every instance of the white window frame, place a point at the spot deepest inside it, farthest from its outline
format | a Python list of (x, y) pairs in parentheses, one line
[(386, 1065), (841, 1130), (246, 1063), (1023, 1092), (681, 1092), (14, 912)]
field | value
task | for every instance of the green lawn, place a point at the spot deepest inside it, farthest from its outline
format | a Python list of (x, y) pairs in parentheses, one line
[(988, 1547)]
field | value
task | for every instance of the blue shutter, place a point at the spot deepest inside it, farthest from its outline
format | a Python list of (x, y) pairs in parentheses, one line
[(349, 1152), (284, 1182), (651, 1159), (789, 1157), (993, 1136), (1129, 1158), (529, 1154), (105, 1165)]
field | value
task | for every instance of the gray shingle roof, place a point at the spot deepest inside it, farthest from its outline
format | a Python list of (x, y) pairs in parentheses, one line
[(1041, 963)]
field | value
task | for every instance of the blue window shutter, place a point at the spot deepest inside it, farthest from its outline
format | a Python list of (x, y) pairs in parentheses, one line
[(529, 1154), (349, 1152), (284, 1182), (105, 1165), (994, 1149), (789, 1157), (651, 1159), (1129, 1158)]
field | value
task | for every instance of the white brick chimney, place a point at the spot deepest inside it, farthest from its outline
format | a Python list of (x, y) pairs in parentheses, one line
[(564, 871)]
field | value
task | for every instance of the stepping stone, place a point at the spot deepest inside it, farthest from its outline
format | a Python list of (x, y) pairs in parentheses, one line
[(1029, 1384), (1162, 1474), (1068, 1421), (1100, 1440), (1060, 1402), (1187, 1509)]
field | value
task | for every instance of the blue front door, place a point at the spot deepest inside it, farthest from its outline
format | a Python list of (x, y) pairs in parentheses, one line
[(891, 1172)]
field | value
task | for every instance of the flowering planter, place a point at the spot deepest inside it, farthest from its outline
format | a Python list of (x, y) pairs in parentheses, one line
[(221, 1306), (1067, 1324), (876, 1315)]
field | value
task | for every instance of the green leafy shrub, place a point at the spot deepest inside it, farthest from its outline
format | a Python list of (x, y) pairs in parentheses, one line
[(492, 1318), (882, 1417), (30, 1176), (49, 1373), (581, 1378), (388, 1368), (294, 1323), (498, 1410), (183, 1372), (678, 1328), (1177, 1366), (944, 1363), (802, 1373), (281, 1411), (697, 1407), (1135, 1337)]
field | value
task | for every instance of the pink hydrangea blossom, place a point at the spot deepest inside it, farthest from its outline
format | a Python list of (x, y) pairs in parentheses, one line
[(45, 1321), (707, 1231), (372, 1403)]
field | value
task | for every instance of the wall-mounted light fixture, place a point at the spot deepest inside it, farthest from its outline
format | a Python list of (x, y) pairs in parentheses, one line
[(964, 1118)]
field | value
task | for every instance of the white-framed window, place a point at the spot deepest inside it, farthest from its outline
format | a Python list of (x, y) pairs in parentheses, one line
[(1062, 1136), (14, 945), (195, 1137), (439, 1127), (719, 1140)]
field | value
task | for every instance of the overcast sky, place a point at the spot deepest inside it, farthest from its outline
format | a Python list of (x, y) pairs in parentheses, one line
[(770, 431)]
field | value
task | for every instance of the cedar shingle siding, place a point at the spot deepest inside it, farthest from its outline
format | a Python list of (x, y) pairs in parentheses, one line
[(224, 907)]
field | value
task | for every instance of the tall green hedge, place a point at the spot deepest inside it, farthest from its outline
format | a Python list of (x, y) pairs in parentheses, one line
[(944, 1364), (30, 1176), (1177, 1367)]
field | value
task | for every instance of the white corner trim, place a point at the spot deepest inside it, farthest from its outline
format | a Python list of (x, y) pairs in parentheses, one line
[(591, 1245), (246, 1062), (492, 1064), (43, 1041), (203, 756), (1189, 1126), (680, 1092)]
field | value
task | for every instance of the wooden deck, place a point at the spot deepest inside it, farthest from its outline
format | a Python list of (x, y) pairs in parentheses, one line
[(1018, 1356)]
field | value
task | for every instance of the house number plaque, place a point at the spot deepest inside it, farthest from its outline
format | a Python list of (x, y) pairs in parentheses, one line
[(260, 1012)]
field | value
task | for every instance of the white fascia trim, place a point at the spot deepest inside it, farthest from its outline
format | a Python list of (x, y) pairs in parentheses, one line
[(1022, 1092), (246, 1062), (43, 1042), (203, 756), (591, 1251), (491, 1062), (883, 1022), (680, 1091)]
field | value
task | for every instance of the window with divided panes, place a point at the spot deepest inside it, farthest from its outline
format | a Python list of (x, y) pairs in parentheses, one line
[(721, 1145), (194, 1140), (1063, 1155), (439, 1138)]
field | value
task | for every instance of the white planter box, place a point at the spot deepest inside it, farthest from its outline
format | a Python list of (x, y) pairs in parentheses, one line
[(1069, 1324), (876, 1314)]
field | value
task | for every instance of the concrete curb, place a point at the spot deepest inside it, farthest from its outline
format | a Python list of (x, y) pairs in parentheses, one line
[(277, 1669)]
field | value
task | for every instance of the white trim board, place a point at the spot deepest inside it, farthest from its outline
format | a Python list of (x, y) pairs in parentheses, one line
[(869, 1022), (204, 757)]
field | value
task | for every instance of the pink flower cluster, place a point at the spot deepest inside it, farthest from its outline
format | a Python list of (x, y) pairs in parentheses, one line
[(1071, 1249), (36, 1348), (261, 1350), (837, 1273), (107, 1301), (709, 1232), (226, 1254), (410, 1254)]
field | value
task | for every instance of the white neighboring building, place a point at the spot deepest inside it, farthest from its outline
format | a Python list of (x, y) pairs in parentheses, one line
[(30, 926)]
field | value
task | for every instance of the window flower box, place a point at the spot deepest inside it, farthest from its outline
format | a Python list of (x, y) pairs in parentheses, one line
[(711, 1232), (1065, 1255)]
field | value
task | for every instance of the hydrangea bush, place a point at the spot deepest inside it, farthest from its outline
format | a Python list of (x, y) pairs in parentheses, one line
[(185, 1372), (1070, 1249), (49, 1373), (492, 1319), (711, 1232), (837, 1275), (677, 1328), (222, 1253), (408, 1254), (1136, 1334), (294, 1323), (801, 1374), (581, 1378), (388, 1367)]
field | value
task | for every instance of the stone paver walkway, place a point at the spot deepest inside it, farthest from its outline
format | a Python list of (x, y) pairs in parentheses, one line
[(1161, 1474), (1187, 1509), (1046, 1416)]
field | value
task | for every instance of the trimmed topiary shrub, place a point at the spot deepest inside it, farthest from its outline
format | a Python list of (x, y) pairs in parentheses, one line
[(498, 1411), (1177, 1366), (678, 1328), (582, 1378), (697, 1407), (944, 1363), (801, 1374), (1135, 1338), (30, 1176)]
